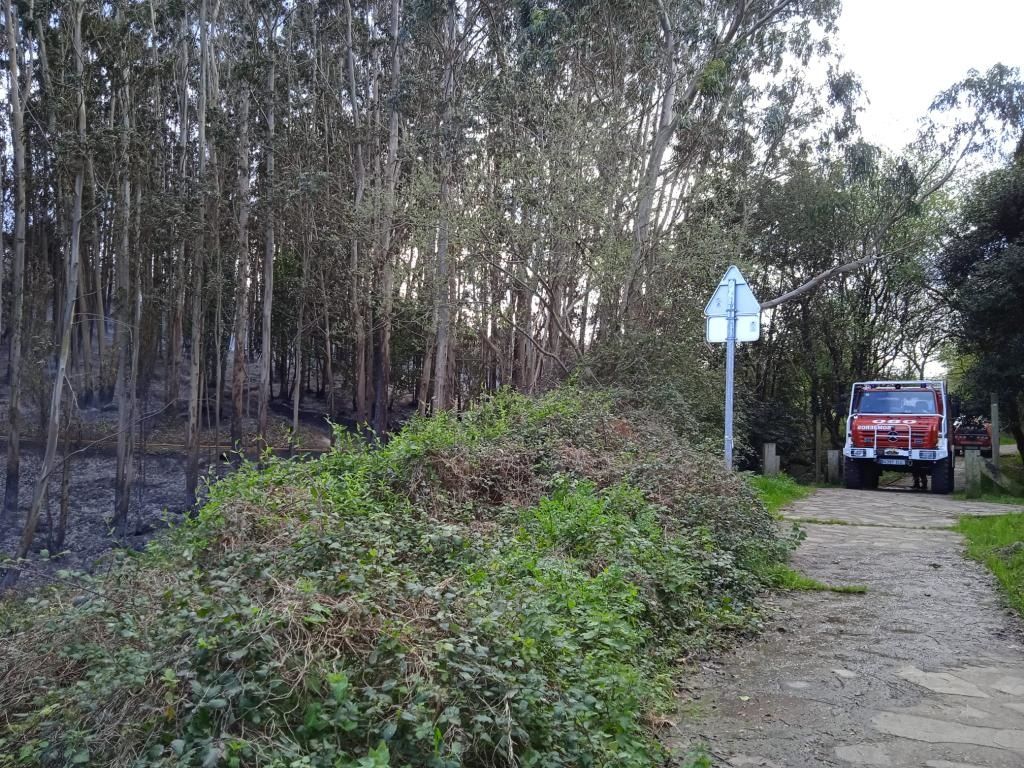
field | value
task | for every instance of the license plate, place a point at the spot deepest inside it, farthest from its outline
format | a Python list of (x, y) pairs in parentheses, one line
[(893, 462)]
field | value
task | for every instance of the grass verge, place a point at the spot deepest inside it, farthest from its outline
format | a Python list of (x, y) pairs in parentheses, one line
[(997, 541), (991, 498), (778, 491)]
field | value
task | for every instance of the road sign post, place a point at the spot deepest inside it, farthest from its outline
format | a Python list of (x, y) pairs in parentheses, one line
[(732, 315), (730, 368)]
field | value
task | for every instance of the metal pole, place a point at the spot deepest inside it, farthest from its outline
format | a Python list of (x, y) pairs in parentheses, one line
[(730, 359)]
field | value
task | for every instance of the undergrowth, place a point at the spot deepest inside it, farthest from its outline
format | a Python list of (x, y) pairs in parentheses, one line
[(517, 586)]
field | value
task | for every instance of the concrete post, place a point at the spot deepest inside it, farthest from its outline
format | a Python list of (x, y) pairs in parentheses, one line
[(832, 469), (769, 460), (972, 471), (995, 429), (817, 448)]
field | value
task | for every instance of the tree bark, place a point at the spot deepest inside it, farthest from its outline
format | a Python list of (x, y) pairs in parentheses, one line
[(359, 170), (192, 461), (99, 317), (18, 265), (297, 387), (382, 407), (238, 368), (174, 356), (268, 259), (126, 336), (70, 296), (442, 274)]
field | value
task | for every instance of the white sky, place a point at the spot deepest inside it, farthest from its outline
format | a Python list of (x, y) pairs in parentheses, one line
[(907, 51)]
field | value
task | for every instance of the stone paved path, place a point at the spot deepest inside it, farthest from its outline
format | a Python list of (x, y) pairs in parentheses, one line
[(926, 669)]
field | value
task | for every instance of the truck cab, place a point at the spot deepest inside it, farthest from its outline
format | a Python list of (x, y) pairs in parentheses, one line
[(901, 426)]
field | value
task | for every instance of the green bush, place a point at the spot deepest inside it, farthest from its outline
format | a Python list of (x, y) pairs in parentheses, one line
[(512, 587)]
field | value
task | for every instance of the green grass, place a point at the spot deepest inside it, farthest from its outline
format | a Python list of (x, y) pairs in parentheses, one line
[(778, 491), (820, 521), (784, 577), (991, 498), (998, 542), (1011, 466)]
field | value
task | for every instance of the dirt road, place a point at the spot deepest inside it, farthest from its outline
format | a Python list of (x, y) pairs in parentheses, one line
[(926, 669)]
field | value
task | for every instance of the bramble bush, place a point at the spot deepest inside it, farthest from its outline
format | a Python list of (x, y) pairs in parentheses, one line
[(516, 586)]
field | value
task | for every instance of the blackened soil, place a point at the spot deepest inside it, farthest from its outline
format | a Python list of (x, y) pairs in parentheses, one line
[(158, 500)]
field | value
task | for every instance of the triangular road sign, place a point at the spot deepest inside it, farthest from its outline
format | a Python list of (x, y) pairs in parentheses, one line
[(746, 304)]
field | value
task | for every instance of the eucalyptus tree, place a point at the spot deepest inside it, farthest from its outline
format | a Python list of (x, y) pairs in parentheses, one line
[(17, 95)]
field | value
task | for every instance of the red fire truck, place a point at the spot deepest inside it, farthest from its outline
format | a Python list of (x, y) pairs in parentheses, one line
[(902, 426)]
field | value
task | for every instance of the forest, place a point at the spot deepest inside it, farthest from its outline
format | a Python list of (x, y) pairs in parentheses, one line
[(227, 222)]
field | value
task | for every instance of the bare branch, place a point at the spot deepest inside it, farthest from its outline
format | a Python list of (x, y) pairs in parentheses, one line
[(820, 278)]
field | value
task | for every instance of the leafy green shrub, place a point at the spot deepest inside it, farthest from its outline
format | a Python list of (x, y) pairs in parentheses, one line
[(510, 587)]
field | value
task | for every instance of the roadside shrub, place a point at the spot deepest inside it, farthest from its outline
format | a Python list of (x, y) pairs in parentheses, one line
[(517, 586)]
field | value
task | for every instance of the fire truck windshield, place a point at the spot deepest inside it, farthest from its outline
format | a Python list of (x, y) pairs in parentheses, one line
[(902, 402)]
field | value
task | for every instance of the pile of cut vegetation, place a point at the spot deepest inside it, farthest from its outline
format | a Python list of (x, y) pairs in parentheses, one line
[(516, 586)]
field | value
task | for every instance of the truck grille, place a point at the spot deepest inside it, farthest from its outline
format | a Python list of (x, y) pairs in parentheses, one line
[(920, 437)]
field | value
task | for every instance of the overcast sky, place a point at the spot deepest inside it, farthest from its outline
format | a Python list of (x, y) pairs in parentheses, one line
[(906, 51)]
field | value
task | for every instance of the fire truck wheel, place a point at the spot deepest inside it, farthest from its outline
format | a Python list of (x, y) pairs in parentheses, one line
[(854, 474), (872, 472), (942, 477)]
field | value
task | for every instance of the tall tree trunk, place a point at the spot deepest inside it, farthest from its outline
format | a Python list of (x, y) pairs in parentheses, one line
[(99, 309), (442, 300), (328, 351), (238, 372), (70, 296), (359, 170), (382, 370), (268, 258), (59, 534), (192, 460), (18, 266), (126, 337), (297, 387), (174, 356), (523, 322)]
